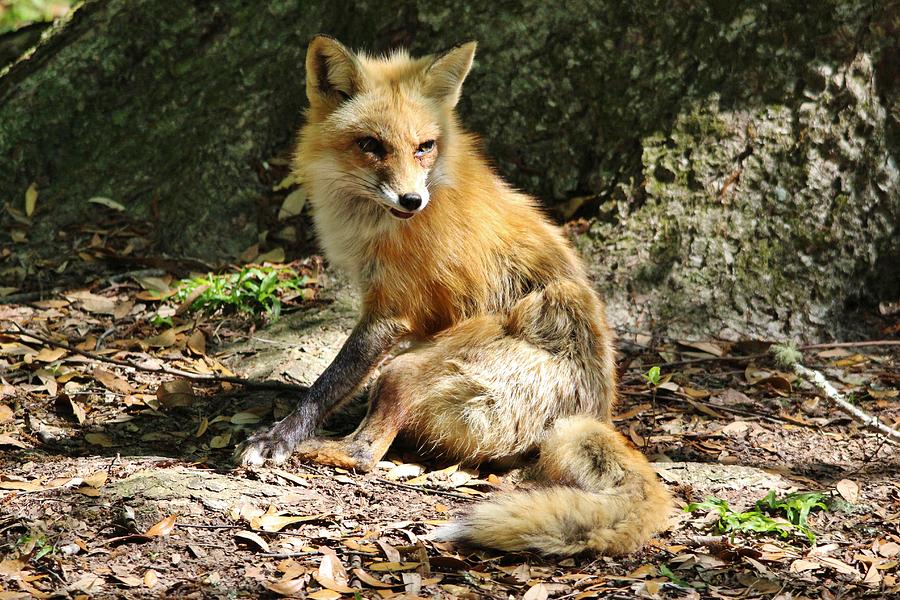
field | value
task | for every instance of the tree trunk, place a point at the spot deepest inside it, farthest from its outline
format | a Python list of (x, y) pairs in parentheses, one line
[(738, 163)]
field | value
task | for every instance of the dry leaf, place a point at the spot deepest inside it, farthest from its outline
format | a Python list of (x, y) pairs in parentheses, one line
[(369, 580), (48, 355), (94, 303), (404, 470), (99, 439), (107, 202), (163, 528), (6, 440), (177, 392), (128, 580), (31, 196), (272, 521), (151, 578), (849, 490), (537, 592), (111, 381), (197, 343), (800, 565), (6, 413), (704, 347), (393, 566), (220, 441), (201, 429), (22, 486), (245, 418), (275, 255), (95, 480), (254, 539), (290, 587), (163, 340), (293, 204), (325, 594)]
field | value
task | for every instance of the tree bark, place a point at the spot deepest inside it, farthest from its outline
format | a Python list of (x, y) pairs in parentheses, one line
[(738, 163)]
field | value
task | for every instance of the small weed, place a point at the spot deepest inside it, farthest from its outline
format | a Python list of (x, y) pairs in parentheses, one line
[(251, 291), (653, 376), (784, 516), (35, 544)]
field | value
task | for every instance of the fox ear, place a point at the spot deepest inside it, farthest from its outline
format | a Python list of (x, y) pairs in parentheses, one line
[(332, 72), (445, 76)]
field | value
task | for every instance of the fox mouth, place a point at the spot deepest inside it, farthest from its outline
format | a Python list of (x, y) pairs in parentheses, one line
[(402, 215)]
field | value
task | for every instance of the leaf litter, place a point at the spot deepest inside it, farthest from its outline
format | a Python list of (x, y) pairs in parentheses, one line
[(77, 432)]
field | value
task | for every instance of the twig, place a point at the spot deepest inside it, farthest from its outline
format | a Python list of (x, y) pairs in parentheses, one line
[(249, 383), (286, 554), (728, 358), (852, 344), (790, 357), (426, 490)]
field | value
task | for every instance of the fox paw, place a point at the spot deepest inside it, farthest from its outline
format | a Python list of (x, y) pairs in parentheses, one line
[(259, 448)]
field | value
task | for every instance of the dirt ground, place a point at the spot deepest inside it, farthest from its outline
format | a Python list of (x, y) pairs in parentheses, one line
[(116, 482)]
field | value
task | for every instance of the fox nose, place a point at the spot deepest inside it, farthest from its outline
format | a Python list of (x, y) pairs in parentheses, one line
[(410, 201)]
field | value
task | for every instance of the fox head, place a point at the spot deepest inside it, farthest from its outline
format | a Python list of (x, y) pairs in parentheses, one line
[(377, 126)]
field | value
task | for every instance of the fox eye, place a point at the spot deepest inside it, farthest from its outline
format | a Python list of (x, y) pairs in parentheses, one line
[(370, 145), (425, 148)]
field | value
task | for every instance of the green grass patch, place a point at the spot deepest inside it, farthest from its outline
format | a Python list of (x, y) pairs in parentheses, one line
[(253, 291), (785, 516)]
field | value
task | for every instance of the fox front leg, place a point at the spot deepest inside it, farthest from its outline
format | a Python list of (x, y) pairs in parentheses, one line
[(370, 340)]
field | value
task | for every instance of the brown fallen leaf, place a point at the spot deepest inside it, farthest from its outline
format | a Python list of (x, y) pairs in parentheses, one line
[(22, 486), (111, 381), (95, 480), (325, 594), (163, 528), (538, 591), (128, 580), (6, 440), (177, 392), (393, 566), (274, 521), (290, 587), (370, 581), (93, 303), (800, 565), (275, 255), (99, 439), (151, 578), (197, 343), (252, 538), (849, 490), (164, 340), (49, 355)]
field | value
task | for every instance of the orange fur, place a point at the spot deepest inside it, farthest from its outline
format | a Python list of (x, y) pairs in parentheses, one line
[(508, 342)]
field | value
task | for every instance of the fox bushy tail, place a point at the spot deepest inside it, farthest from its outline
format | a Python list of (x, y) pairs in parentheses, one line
[(600, 496)]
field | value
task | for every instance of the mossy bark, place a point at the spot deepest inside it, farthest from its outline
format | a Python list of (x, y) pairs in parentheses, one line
[(739, 160)]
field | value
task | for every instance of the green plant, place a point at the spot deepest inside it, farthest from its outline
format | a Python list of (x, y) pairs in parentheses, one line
[(783, 516), (653, 376), (35, 543), (250, 291)]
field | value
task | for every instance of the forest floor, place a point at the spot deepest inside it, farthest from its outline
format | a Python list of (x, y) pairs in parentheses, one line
[(117, 428)]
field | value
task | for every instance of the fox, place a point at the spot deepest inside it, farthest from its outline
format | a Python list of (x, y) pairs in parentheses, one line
[(480, 337)]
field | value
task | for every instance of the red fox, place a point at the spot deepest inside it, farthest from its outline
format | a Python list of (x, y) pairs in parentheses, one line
[(505, 354)]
